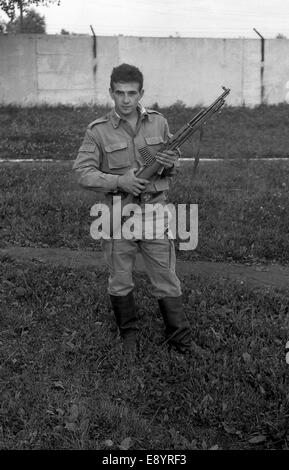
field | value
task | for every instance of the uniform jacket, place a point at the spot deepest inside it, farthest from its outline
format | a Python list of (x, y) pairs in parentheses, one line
[(110, 148)]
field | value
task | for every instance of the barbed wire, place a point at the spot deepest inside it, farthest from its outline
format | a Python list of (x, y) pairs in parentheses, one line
[(118, 29)]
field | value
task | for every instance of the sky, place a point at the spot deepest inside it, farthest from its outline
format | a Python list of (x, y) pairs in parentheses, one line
[(184, 18)]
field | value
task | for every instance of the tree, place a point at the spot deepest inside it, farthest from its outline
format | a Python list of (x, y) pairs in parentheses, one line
[(65, 32), (10, 7), (32, 22), (2, 27), (281, 36)]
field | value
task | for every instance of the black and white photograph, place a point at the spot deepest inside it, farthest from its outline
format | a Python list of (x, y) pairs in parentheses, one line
[(144, 228)]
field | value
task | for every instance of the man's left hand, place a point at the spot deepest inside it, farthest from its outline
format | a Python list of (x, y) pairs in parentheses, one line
[(167, 158)]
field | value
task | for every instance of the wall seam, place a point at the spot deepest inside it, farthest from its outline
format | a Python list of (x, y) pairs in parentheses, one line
[(243, 72)]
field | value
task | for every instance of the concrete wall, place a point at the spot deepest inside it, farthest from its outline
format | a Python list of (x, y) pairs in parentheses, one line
[(41, 68), (61, 69)]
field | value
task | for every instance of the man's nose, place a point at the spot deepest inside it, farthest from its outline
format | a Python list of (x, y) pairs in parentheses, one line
[(126, 98)]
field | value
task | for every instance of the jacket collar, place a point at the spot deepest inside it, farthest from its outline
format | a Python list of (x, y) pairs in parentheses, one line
[(115, 118)]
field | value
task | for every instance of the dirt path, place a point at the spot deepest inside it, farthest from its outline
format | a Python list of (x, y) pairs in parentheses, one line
[(260, 276)]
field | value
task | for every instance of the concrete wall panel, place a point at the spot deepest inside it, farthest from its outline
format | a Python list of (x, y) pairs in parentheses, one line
[(62, 44), (251, 72), (276, 71), (18, 69), (188, 70), (63, 69), (107, 58)]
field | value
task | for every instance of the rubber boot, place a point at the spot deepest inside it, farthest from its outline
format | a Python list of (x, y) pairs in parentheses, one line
[(126, 319), (178, 331)]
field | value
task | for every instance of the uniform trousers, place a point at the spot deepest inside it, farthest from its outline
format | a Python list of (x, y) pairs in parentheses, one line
[(159, 260)]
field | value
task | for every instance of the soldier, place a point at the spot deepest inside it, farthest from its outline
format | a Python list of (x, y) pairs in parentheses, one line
[(107, 161)]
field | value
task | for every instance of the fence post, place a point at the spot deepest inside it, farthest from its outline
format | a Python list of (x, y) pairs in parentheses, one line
[(262, 65), (94, 50)]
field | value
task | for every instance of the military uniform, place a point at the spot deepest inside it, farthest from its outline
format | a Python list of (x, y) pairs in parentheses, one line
[(110, 148)]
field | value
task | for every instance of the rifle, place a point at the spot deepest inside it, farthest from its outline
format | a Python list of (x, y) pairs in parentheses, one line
[(151, 166)]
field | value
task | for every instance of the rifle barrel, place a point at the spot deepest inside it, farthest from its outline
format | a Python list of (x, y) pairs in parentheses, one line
[(180, 140), (189, 128)]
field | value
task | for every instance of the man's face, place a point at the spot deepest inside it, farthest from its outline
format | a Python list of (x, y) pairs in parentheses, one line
[(126, 97)]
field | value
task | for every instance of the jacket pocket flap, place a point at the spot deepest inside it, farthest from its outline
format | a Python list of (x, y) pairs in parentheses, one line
[(162, 184), (154, 140), (87, 148), (113, 147)]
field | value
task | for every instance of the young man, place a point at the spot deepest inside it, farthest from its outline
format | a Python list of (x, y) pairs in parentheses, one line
[(107, 161)]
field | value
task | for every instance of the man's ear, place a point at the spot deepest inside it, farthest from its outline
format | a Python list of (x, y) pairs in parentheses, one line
[(111, 93), (141, 93)]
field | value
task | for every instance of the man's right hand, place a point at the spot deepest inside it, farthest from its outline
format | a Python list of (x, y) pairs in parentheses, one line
[(129, 183)]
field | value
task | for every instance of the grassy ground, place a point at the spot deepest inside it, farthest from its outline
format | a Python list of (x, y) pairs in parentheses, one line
[(64, 384), (57, 132), (243, 209)]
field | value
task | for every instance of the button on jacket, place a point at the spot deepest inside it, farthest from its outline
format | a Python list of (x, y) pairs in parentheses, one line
[(110, 148)]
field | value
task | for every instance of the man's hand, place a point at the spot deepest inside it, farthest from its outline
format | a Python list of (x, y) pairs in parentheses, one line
[(129, 183), (167, 158)]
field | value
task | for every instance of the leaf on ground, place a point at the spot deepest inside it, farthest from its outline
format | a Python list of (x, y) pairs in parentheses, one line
[(140, 381), (246, 357), (125, 444), (193, 444), (224, 406), (231, 430), (84, 425), (206, 401), (74, 413), (9, 283), (52, 311), (108, 443), (58, 385), (70, 426), (20, 292), (215, 447), (204, 445), (257, 439)]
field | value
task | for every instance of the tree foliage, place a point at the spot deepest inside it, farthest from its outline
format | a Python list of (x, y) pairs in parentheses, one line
[(32, 22), (281, 36), (10, 7)]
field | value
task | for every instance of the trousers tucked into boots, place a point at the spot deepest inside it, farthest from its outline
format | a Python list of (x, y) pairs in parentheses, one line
[(178, 330), (126, 319)]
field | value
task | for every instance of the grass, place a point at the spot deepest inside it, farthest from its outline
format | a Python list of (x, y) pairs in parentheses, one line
[(57, 132), (243, 210), (64, 384)]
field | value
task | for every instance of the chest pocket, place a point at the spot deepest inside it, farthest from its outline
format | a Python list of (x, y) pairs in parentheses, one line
[(90, 148), (117, 155), (154, 143)]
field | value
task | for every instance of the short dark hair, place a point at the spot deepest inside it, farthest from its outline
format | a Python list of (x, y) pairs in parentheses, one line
[(126, 73)]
